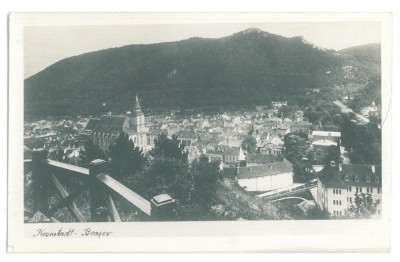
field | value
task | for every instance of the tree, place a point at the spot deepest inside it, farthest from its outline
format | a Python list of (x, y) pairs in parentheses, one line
[(284, 111), (206, 176), (249, 144), (92, 152), (167, 148), (295, 147), (333, 155), (126, 159), (167, 175), (363, 206), (295, 151)]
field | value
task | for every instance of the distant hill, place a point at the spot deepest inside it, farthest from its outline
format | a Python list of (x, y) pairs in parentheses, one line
[(365, 53), (249, 67)]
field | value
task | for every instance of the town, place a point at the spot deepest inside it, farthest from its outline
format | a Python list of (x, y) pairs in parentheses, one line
[(273, 161)]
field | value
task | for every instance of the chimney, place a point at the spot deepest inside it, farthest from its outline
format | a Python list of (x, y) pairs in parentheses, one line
[(340, 167), (373, 169)]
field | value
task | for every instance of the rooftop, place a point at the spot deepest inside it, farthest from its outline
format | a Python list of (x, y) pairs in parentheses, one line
[(324, 143), (265, 170), (326, 133), (346, 175), (110, 124)]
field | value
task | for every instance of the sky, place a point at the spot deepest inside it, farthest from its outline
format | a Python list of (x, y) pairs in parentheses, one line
[(45, 45)]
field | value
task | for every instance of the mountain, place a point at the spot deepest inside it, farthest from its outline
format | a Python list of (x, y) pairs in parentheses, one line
[(249, 67), (366, 53)]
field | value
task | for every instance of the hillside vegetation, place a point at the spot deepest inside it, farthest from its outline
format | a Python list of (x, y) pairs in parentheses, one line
[(247, 68)]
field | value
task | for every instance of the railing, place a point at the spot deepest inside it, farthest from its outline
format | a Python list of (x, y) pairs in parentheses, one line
[(286, 192), (101, 186)]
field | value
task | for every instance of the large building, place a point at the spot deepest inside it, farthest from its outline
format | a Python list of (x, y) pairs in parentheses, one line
[(110, 126), (265, 177), (327, 135), (338, 185)]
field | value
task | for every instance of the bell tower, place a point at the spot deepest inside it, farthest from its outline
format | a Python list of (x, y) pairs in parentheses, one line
[(137, 122)]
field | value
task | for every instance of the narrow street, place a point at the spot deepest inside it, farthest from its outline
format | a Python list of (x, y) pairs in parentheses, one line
[(346, 109)]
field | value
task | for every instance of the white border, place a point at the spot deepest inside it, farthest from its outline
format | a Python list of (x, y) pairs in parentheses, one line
[(300, 236)]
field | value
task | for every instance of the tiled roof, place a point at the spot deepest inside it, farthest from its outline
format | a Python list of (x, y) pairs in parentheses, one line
[(186, 134), (299, 123), (110, 124), (92, 123), (214, 153), (228, 172), (265, 170), (260, 158), (348, 175), (231, 151)]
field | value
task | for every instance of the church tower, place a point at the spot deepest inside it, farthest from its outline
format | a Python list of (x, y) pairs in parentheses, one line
[(137, 125), (137, 118)]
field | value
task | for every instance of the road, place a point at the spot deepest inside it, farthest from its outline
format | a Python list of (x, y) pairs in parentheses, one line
[(346, 109)]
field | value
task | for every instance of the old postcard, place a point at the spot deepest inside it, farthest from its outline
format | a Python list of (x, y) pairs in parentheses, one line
[(199, 132)]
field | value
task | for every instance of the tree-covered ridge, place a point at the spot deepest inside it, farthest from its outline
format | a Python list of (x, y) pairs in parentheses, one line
[(251, 67)]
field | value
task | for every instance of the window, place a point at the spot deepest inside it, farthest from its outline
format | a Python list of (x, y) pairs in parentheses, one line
[(379, 190), (360, 189), (376, 179), (349, 189), (334, 202), (351, 200), (340, 202), (340, 213), (368, 179), (367, 190), (357, 179), (340, 191), (371, 190)]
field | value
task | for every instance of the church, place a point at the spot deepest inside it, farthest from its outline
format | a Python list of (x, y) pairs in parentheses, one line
[(108, 128)]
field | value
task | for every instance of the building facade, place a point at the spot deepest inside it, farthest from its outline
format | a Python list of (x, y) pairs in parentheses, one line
[(110, 126), (339, 184), (266, 177)]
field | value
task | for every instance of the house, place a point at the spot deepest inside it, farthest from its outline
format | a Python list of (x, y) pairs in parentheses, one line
[(231, 155), (209, 142), (299, 115), (186, 138), (214, 155), (265, 177), (279, 104), (337, 186), (300, 127), (327, 135), (259, 159), (321, 149), (282, 130)]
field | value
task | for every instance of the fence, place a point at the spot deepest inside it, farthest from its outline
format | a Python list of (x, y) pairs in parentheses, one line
[(102, 187)]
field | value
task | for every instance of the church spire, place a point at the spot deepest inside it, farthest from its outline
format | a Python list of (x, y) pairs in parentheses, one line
[(137, 110), (137, 105)]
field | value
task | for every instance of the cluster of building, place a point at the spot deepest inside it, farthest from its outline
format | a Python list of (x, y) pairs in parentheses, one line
[(219, 138)]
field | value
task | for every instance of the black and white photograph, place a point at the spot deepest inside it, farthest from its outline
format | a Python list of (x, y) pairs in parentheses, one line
[(203, 121)]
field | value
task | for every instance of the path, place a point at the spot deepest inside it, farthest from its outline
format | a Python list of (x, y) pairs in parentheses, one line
[(346, 109)]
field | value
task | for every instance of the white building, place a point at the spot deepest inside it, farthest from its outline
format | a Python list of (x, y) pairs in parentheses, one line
[(265, 177), (338, 185)]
